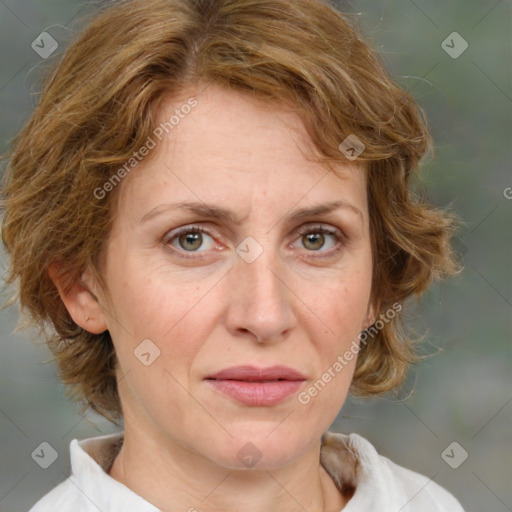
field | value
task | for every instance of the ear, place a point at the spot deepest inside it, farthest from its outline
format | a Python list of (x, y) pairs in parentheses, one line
[(81, 303)]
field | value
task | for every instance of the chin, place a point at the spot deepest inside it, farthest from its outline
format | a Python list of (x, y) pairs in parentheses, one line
[(259, 447)]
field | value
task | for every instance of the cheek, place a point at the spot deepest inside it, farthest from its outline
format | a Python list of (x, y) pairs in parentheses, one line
[(165, 322), (172, 315), (343, 305), (342, 310)]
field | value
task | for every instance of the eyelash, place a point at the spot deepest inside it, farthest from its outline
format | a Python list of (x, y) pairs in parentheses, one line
[(339, 236)]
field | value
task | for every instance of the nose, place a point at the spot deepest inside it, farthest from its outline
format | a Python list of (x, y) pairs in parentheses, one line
[(260, 300)]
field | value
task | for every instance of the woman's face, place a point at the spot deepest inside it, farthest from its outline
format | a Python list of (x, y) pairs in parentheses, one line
[(279, 275)]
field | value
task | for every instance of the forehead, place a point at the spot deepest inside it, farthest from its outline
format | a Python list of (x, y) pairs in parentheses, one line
[(234, 123), (218, 145)]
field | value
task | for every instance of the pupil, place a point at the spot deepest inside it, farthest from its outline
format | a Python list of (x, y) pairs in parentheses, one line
[(195, 239), (317, 239)]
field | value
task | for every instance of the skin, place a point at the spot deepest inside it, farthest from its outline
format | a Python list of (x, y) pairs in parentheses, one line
[(300, 303)]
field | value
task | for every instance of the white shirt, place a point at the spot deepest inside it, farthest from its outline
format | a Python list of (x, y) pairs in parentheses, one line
[(380, 485)]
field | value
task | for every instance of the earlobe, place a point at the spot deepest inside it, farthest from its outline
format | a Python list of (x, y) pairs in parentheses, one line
[(81, 303)]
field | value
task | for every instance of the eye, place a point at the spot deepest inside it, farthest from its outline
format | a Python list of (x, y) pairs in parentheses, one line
[(316, 238), (189, 239)]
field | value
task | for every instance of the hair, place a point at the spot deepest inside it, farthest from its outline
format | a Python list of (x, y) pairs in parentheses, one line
[(98, 107)]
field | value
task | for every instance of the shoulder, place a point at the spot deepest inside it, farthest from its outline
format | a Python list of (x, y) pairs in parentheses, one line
[(421, 491), (90, 488), (75, 494), (379, 483), (65, 497)]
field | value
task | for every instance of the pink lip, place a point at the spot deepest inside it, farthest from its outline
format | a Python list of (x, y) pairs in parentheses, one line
[(257, 386)]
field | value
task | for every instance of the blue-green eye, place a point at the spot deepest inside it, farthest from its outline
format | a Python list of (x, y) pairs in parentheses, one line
[(317, 241), (189, 239), (316, 238)]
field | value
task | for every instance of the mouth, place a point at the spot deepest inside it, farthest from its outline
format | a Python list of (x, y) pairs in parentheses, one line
[(253, 374), (257, 387)]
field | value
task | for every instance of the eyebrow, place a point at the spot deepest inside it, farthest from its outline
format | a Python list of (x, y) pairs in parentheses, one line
[(222, 214)]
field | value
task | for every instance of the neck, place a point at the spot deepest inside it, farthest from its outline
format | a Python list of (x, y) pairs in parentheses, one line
[(173, 478)]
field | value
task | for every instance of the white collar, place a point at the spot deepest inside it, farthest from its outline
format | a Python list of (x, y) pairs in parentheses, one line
[(350, 460), (90, 462)]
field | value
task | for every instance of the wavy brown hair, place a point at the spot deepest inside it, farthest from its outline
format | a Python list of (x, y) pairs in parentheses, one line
[(98, 107)]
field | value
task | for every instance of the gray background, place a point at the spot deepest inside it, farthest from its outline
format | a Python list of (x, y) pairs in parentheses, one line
[(462, 395)]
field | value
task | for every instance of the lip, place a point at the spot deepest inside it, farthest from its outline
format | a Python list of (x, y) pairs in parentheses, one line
[(257, 387)]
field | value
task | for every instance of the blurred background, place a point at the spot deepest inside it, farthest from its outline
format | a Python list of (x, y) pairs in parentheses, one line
[(455, 58)]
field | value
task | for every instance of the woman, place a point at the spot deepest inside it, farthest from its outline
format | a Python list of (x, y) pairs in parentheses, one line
[(211, 207)]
